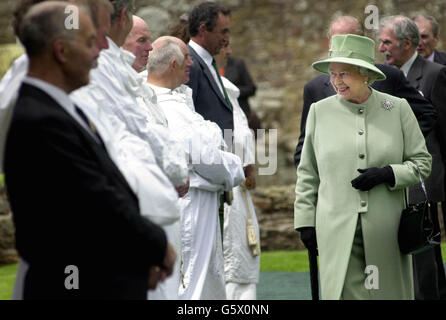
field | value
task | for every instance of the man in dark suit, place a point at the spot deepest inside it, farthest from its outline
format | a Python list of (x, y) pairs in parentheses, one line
[(77, 221), (237, 72), (209, 31), (396, 84), (429, 37), (399, 38)]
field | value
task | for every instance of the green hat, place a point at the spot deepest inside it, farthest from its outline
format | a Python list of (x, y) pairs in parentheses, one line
[(351, 49)]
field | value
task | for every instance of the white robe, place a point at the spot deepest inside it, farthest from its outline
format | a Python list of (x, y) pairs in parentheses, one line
[(9, 88), (241, 267), (116, 89), (212, 171), (126, 100)]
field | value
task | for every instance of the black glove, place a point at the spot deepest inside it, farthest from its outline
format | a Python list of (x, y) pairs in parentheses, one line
[(308, 237), (373, 176)]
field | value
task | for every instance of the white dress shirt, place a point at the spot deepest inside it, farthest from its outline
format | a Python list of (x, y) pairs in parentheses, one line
[(207, 58), (408, 64)]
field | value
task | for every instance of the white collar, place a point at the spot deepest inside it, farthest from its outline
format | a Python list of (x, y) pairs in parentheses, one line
[(60, 96), (431, 57), (202, 52), (408, 64), (160, 90), (112, 46)]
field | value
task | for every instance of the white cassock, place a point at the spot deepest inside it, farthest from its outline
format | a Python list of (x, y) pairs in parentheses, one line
[(9, 88), (158, 199), (242, 268), (116, 89), (126, 100), (212, 171)]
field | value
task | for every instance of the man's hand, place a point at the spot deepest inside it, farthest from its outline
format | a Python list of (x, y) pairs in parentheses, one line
[(182, 189), (160, 273), (250, 177)]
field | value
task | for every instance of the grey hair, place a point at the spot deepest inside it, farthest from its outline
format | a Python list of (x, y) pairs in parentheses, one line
[(434, 24), (371, 75), (160, 57), (44, 23), (118, 5), (403, 28), (350, 19)]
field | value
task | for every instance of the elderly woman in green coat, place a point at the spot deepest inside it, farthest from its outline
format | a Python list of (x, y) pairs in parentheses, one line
[(362, 148)]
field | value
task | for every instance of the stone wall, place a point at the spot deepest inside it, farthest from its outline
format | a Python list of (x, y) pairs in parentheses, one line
[(7, 242)]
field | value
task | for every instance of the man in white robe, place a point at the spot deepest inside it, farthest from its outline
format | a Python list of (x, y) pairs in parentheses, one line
[(212, 171), (242, 256), (115, 86), (138, 46), (121, 102)]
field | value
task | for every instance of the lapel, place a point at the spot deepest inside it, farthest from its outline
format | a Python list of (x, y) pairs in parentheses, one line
[(415, 74), (209, 76), (440, 57)]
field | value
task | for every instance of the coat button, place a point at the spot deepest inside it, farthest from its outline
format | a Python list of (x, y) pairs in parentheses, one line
[(363, 203), (361, 132), (361, 156), (361, 110)]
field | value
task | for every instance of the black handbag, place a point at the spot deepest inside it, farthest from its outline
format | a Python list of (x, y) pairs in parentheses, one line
[(416, 230)]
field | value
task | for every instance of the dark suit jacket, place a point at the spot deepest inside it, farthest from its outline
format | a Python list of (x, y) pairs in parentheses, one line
[(208, 99), (238, 74), (395, 84), (440, 57), (430, 78), (72, 206)]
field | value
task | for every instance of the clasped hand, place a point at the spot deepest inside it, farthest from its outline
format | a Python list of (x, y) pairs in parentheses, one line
[(371, 177)]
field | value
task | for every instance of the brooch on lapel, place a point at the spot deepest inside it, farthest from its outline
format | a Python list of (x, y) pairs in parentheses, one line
[(387, 104)]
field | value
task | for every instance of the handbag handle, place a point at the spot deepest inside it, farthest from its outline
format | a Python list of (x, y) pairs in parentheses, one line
[(423, 186)]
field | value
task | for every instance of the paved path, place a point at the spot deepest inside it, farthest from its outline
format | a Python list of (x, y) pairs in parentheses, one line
[(275, 285)]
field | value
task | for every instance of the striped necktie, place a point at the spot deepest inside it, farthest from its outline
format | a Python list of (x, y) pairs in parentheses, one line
[(214, 64)]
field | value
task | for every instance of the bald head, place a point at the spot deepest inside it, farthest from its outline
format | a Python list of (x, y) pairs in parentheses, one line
[(345, 25), (161, 40), (138, 43)]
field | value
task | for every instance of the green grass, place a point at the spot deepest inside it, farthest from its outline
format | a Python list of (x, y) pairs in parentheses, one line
[(291, 261), (296, 260), (7, 278)]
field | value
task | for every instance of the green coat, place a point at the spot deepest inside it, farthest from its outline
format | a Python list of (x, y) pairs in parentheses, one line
[(340, 138)]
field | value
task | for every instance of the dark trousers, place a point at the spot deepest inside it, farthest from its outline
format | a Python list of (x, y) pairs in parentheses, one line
[(429, 274)]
